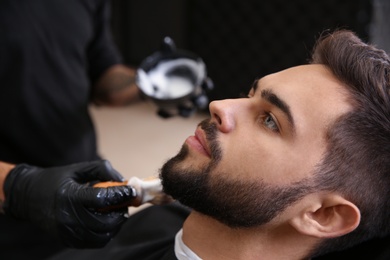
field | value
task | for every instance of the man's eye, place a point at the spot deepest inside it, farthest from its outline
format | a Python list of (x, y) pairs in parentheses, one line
[(269, 122)]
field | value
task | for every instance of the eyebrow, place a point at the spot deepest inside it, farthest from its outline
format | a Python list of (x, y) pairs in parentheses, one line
[(272, 98)]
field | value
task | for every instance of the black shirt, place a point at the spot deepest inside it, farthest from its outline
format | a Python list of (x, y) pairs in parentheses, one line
[(51, 52)]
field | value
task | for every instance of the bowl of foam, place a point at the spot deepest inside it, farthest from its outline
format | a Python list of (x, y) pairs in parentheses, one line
[(175, 80)]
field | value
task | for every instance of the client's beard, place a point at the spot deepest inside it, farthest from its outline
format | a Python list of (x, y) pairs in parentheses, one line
[(238, 203)]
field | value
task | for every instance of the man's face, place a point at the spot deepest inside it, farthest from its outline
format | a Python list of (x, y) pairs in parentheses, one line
[(256, 155)]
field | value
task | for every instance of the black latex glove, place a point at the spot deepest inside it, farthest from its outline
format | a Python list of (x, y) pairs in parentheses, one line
[(61, 201)]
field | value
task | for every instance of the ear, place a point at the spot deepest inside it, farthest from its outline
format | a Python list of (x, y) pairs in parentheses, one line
[(328, 217)]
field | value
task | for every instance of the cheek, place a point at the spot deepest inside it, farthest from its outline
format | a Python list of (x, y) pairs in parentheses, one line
[(272, 161), (247, 160)]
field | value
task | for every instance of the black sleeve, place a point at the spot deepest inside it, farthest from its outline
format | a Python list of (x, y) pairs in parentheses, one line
[(102, 51)]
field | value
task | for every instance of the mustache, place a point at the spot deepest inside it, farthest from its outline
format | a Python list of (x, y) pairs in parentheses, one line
[(211, 132)]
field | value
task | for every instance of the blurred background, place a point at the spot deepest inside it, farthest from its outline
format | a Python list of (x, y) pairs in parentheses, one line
[(239, 40)]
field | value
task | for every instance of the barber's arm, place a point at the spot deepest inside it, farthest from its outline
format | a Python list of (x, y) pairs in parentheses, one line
[(5, 168), (116, 87), (62, 201)]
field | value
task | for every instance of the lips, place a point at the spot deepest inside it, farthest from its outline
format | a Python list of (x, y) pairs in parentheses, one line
[(199, 143), (199, 134)]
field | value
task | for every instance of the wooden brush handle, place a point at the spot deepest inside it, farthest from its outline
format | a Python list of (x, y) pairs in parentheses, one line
[(148, 190), (106, 184)]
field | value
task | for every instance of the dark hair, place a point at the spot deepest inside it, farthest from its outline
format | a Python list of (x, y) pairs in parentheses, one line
[(357, 161)]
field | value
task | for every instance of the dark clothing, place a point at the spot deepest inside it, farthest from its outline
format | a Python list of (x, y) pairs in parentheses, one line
[(51, 53), (147, 235), (150, 234), (376, 249)]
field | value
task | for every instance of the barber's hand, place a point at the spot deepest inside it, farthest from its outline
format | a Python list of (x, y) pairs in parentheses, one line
[(62, 201)]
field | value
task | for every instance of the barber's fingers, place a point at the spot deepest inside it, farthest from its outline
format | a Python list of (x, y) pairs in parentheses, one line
[(95, 233), (92, 221), (105, 198)]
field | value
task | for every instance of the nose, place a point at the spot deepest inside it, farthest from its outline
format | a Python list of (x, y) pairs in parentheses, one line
[(222, 113)]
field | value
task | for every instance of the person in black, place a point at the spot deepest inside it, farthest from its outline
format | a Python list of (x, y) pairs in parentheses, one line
[(56, 57), (297, 170)]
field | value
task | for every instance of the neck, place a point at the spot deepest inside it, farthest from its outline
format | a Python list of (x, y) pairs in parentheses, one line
[(210, 239)]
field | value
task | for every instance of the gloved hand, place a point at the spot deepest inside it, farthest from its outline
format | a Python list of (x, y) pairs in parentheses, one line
[(62, 201)]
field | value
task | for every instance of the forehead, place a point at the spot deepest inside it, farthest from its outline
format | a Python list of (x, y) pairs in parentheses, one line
[(310, 91)]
